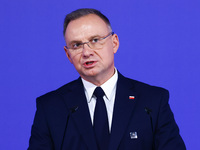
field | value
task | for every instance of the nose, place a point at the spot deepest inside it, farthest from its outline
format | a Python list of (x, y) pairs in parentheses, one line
[(87, 43), (87, 51)]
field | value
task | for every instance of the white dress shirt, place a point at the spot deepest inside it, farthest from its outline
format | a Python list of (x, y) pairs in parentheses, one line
[(109, 88)]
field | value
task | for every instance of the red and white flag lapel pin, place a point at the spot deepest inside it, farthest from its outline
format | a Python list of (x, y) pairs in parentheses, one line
[(131, 97)]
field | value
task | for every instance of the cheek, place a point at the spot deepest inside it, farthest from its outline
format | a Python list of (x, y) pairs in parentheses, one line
[(76, 59), (110, 54), (107, 58)]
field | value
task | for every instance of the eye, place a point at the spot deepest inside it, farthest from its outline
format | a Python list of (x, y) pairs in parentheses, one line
[(95, 40), (76, 45)]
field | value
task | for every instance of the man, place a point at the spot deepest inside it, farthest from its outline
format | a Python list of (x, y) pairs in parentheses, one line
[(102, 110)]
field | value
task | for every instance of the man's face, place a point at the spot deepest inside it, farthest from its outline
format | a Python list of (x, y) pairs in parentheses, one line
[(94, 65)]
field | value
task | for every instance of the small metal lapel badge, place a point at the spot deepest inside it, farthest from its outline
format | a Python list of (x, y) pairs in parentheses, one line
[(133, 135)]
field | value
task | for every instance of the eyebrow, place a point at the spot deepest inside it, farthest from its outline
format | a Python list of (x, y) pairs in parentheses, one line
[(70, 43), (77, 41)]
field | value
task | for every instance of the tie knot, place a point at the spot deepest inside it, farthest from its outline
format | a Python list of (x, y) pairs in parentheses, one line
[(98, 92)]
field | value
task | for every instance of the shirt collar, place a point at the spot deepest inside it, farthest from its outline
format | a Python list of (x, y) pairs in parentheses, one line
[(107, 87)]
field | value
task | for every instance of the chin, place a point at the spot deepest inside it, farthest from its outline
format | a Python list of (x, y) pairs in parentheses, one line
[(91, 74)]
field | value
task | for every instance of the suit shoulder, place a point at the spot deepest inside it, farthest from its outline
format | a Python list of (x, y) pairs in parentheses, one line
[(141, 86), (148, 93), (57, 94)]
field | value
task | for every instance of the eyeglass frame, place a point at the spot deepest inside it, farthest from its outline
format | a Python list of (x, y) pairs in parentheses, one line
[(82, 44)]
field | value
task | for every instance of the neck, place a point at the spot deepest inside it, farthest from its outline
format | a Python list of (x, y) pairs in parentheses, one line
[(99, 79)]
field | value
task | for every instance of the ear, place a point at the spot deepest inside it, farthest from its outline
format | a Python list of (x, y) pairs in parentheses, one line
[(67, 54), (115, 43)]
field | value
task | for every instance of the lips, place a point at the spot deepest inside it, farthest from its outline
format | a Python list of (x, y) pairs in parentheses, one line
[(89, 64)]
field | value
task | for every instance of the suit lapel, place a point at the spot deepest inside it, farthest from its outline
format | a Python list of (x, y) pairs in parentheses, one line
[(77, 98), (123, 109)]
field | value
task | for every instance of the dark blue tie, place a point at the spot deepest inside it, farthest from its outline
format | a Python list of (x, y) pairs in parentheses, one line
[(101, 127)]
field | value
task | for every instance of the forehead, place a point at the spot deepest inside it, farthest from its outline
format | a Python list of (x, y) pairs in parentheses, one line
[(85, 27)]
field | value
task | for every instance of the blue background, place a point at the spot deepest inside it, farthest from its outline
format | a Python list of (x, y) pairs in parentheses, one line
[(159, 45)]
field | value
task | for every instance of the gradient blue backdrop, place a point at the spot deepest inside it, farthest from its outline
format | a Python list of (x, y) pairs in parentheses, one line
[(159, 45)]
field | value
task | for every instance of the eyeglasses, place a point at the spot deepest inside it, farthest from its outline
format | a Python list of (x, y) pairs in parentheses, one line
[(93, 43)]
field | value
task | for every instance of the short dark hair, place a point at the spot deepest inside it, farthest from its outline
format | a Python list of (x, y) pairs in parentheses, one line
[(83, 12)]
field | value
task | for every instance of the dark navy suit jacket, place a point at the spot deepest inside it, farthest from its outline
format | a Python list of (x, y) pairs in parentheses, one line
[(129, 116)]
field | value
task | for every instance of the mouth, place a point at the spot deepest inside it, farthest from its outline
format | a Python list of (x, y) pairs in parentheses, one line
[(89, 63)]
